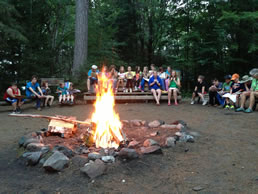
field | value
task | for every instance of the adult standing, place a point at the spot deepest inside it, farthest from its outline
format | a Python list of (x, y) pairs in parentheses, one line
[(33, 91), (155, 84), (13, 96)]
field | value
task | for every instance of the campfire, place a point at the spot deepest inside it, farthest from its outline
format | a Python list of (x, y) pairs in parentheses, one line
[(101, 139), (107, 125)]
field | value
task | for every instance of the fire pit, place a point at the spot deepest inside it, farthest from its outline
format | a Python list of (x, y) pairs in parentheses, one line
[(102, 139)]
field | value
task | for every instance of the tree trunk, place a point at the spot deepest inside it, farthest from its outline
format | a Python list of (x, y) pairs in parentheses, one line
[(81, 35)]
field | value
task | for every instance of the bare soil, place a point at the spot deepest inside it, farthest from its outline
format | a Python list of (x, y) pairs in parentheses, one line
[(224, 158)]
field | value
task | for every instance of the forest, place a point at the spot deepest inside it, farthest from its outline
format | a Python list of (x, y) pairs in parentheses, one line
[(63, 38)]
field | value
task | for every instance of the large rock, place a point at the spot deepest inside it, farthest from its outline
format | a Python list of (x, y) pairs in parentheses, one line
[(133, 144), (136, 123), (65, 150), (108, 159), (32, 158), (170, 142), (149, 142), (154, 124), (151, 150), (95, 169), (34, 147), (31, 140), (128, 153), (94, 156), (56, 162), (79, 161)]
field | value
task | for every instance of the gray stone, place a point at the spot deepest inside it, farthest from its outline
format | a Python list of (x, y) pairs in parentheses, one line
[(193, 133), (154, 124), (30, 140), (34, 147), (128, 153), (133, 144), (56, 162), (45, 149), (186, 138), (170, 142), (151, 150), (95, 169), (108, 159), (22, 140), (79, 161), (149, 142), (94, 156), (65, 150), (198, 188), (32, 158)]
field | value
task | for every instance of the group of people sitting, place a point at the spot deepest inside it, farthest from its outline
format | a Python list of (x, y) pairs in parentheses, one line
[(157, 81), (232, 94), (39, 93)]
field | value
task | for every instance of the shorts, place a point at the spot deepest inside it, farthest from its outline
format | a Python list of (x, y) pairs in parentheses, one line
[(12, 100), (93, 81)]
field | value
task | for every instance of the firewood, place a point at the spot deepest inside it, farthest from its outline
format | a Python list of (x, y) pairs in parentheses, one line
[(50, 118)]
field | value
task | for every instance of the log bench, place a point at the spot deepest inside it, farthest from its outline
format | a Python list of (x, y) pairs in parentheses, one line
[(130, 97)]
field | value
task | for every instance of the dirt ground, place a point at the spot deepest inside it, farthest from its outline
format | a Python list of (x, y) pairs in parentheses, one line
[(224, 158)]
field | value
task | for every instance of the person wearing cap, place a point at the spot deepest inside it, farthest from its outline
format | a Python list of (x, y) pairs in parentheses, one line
[(92, 76), (235, 90), (247, 81), (253, 91)]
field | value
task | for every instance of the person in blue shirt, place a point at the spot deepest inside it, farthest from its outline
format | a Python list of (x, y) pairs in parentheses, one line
[(92, 76), (33, 91), (155, 84)]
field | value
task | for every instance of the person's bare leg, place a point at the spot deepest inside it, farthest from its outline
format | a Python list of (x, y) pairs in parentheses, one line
[(159, 94), (72, 98), (201, 96), (14, 105), (46, 100), (242, 100), (64, 98), (252, 99), (68, 98), (88, 84), (175, 95), (60, 98), (20, 104), (169, 96), (51, 100), (155, 95)]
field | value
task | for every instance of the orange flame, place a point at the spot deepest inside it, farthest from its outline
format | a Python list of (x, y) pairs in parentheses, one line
[(108, 126)]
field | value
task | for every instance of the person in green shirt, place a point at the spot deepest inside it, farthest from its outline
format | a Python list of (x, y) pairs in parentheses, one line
[(226, 89), (254, 90), (174, 85)]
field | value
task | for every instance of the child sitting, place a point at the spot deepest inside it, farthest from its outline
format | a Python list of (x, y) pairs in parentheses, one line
[(62, 92), (235, 90), (70, 92), (145, 77), (137, 78), (214, 96), (46, 91), (199, 90), (129, 77), (121, 78)]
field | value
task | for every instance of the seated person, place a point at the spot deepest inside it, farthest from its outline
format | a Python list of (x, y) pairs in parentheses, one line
[(213, 92), (113, 76), (155, 86), (137, 78), (235, 91), (199, 90), (92, 77), (168, 74), (152, 69), (46, 91), (121, 78), (162, 75), (13, 97), (225, 89), (63, 93), (33, 91), (174, 85), (145, 78), (253, 93)]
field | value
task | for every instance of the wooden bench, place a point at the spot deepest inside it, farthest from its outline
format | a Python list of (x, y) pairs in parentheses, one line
[(130, 97)]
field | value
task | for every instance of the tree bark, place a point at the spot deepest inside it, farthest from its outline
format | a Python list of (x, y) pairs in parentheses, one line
[(81, 35)]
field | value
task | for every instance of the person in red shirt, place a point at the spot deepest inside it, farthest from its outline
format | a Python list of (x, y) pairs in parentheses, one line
[(13, 96)]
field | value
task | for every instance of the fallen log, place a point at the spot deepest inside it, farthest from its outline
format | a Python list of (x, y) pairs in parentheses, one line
[(51, 118)]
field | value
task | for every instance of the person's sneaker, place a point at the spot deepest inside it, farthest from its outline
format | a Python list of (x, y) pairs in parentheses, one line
[(13, 112), (176, 104), (192, 102), (248, 110), (227, 107), (232, 107), (18, 111), (204, 102), (39, 109), (142, 91), (240, 110)]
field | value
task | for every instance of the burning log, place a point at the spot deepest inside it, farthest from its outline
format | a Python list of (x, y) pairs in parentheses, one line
[(51, 118)]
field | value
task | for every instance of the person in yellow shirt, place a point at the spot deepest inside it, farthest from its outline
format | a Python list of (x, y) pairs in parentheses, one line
[(129, 79)]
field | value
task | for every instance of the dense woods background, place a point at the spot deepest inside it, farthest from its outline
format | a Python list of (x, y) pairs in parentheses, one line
[(213, 37)]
